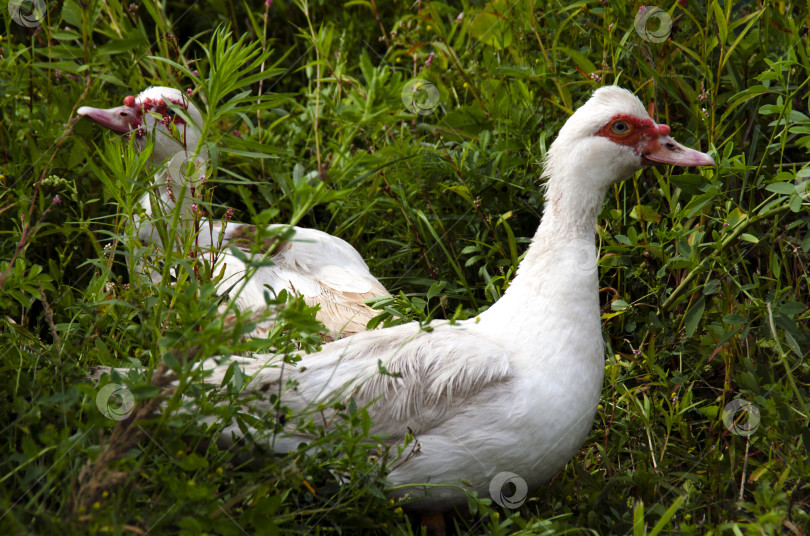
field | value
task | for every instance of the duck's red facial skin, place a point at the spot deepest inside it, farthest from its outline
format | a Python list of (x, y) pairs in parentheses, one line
[(130, 115), (633, 132), (160, 107), (136, 116), (157, 106), (651, 142)]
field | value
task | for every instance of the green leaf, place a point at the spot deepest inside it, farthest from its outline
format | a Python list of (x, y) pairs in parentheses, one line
[(693, 315), (689, 183), (580, 60), (720, 20), (711, 287), (785, 188), (192, 462), (671, 511), (72, 13), (619, 305), (796, 203), (645, 213), (638, 519), (733, 320), (119, 45), (492, 29)]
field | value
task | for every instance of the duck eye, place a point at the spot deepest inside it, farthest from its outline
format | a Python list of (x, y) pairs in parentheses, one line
[(620, 127)]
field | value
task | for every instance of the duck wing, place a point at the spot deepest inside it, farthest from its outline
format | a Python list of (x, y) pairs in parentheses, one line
[(410, 379)]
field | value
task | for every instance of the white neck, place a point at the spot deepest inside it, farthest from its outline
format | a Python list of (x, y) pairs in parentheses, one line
[(171, 187), (568, 225), (556, 285)]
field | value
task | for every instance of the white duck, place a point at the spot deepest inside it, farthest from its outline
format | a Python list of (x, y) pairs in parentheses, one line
[(325, 269), (514, 390)]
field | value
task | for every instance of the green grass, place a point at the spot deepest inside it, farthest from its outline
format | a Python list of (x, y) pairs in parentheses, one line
[(704, 276)]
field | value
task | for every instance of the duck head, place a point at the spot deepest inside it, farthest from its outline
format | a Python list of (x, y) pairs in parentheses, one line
[(149, 114), (609, 138)]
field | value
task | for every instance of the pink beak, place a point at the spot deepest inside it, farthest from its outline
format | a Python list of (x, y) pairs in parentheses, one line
[(671, 152), (121, 119)]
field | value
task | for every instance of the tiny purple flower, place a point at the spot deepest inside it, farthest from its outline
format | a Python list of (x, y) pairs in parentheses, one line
[(429, 60)]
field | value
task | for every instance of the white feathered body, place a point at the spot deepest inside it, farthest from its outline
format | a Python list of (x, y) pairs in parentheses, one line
[(516, 389), (479, 402)]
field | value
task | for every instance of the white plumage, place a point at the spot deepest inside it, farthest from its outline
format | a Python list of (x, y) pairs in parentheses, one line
[(322, 268), (515, 389)]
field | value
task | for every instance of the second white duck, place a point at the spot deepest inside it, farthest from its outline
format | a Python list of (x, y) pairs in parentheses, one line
[(324, 269)]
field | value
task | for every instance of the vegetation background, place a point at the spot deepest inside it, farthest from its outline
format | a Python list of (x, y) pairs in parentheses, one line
[(704, 276)]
